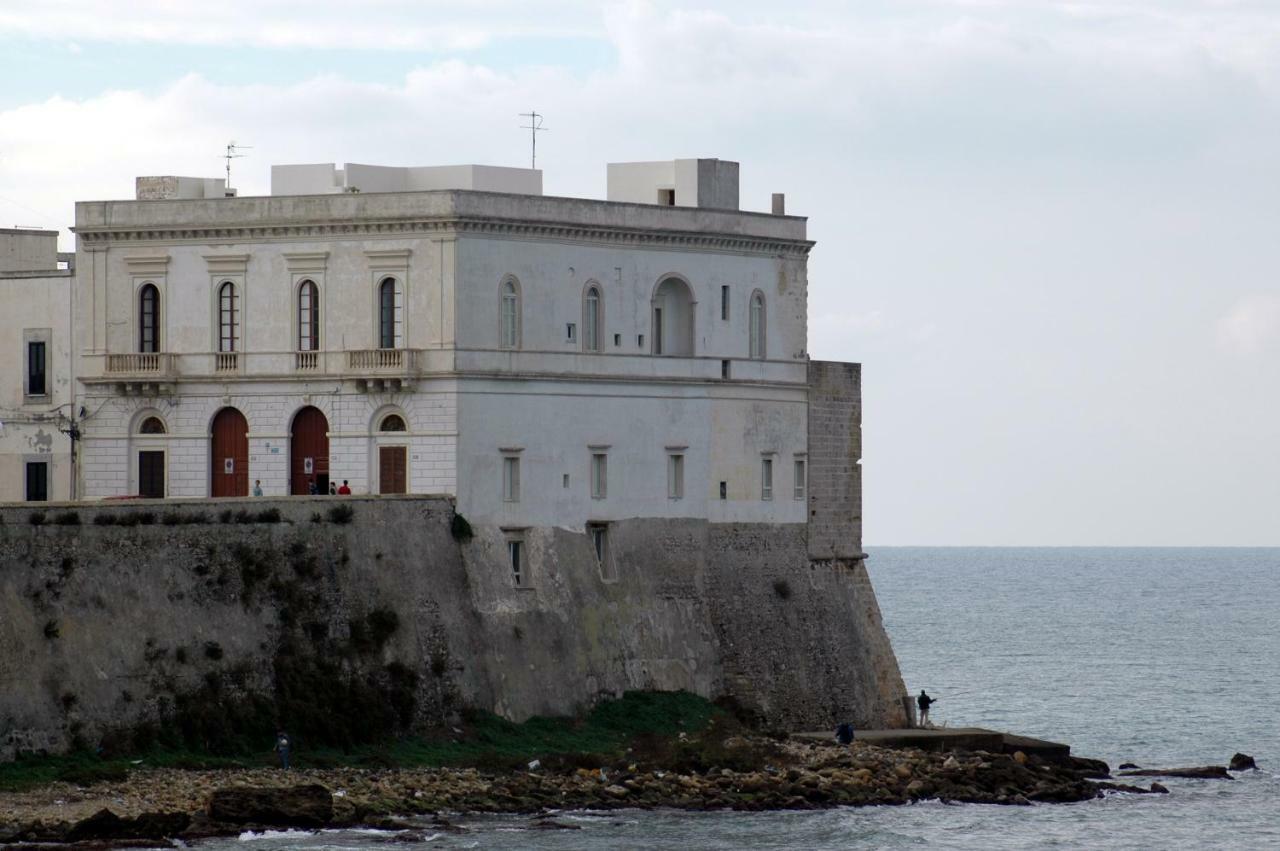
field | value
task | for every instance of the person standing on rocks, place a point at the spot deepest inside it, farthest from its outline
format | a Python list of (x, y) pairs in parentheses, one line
[(257, 487), (924, 702), (282, 748)]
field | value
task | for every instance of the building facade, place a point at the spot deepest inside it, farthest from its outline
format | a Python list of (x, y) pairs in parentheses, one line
[(576, 360), (36, 386)]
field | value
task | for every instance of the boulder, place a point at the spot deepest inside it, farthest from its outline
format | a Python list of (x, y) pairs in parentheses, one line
[(1159, 787), (105, 824), (1125, 766), (1090, 767), (1242, 762), (305, 805), (1209, 772)]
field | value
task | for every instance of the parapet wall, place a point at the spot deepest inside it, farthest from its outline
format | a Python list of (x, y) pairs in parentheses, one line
[(835, 460), (106, 628)]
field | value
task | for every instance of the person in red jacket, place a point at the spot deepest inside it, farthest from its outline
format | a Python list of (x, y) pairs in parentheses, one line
[(345, 490)]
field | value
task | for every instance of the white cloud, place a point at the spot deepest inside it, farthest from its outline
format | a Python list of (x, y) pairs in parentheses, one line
[(1251, 326)]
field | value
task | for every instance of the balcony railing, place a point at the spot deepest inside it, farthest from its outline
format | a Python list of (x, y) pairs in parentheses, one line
[(306, 361), (150, 363), (379, 360), (226, 362)]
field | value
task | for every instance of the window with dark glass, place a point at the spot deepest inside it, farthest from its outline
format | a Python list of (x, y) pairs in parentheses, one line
[(389, 314), (308, 317), (392, 422), (37, 481), (36, 369), (228, 317), (149, 319)]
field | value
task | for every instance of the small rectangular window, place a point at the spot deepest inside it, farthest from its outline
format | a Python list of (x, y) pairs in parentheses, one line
[(724, 303), (640, 340), (667, 197), (599, 540), (617, 340), (675, 476), (599, 475), (800, 479), (515, 554), (724, 369), (724, 490), (37, 481), (566, 480), (510, 479), (766, 478), (571, 332), (36, 384)]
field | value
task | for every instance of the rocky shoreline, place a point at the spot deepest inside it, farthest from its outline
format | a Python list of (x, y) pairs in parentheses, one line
[(164, 804)]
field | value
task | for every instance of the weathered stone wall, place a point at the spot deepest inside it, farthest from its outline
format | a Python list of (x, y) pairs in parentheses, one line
[(835, 455), (106, 627)]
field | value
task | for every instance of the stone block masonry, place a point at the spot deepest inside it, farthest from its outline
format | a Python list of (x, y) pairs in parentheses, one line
[(107, 628), (835, 460)]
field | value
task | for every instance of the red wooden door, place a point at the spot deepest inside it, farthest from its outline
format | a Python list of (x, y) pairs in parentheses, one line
[(309, 452), (229, 454), (391, 469)]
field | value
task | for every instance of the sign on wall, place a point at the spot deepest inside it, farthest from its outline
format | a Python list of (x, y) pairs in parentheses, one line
[(308, 465), (228, 465)]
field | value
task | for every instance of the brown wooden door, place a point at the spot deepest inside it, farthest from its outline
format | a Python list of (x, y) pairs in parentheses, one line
[(391, 469), (229, 456), (309, 452), (151, 475)]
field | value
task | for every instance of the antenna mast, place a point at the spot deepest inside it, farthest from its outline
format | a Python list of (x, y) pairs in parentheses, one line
[(233, 153), (534, 126)]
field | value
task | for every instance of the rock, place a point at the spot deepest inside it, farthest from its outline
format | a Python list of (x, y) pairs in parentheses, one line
[(1019, 757), (105, 824), (307, 805), (1242, 762), (551, 824), (902, 770), (951, 762), (915, 787), (1159, 787), (1127, 765), (1210, 772), (1089, 767)]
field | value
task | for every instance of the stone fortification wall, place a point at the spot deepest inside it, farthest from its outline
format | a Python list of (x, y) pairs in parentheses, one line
[(835, 460), (290, 612)]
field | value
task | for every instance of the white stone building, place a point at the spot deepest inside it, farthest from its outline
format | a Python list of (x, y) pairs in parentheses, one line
[(36, 386), (548, 361)]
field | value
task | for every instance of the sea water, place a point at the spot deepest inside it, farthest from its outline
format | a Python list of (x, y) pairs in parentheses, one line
[(1161, 657)]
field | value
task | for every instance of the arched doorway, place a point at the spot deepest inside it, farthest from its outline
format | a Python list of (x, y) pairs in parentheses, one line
[(673, 319), (309, 452), (229, 454)]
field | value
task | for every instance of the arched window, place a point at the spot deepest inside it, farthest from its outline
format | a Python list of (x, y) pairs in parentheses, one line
[(592, 319), (228, 317), (390, 314), (757, 325), (392, 422), (510, 336), (152, 425), (148, 319), (672, 319), (308, 317)]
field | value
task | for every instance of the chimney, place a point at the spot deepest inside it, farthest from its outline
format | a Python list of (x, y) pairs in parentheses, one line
[(779, 204)]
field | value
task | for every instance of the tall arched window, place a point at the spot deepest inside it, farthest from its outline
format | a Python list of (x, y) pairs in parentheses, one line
[(392, 422), (510, 336), (757, 325), (228, 317), (148, 319), (308, 317), (592, 319), (390, 314)]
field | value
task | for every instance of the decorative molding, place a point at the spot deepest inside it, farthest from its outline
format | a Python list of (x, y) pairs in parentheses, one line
[(143, 266), (227, 264), (306, 262), (388, 259), (634, 237)]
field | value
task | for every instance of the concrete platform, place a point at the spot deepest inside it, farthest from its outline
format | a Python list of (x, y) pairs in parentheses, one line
[(952, 739)]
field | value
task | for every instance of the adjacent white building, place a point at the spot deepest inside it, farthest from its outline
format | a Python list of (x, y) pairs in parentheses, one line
[(450, 330), (36, 386)]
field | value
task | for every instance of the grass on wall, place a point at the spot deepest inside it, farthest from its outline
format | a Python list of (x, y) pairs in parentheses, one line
[(487, 742)]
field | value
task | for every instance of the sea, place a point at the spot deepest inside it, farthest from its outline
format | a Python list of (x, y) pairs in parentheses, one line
[(1159, 657)]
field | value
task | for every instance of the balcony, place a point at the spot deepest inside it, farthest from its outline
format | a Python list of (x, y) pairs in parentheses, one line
[(149, 365), (379, 360), (226, 362), (306, 361)]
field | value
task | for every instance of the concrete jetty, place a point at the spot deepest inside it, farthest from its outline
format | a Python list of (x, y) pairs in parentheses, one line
[(952, 739)]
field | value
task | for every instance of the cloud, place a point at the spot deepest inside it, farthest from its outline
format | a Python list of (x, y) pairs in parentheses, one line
[(1251, 326)]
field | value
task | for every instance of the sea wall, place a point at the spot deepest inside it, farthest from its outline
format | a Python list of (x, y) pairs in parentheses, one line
[(343, 618)]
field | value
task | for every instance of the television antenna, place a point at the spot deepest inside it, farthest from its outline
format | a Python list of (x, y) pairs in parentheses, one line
[(233, 153), (534, 127)]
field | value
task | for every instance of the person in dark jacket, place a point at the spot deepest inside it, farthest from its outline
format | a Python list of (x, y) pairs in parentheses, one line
[(924, 702)]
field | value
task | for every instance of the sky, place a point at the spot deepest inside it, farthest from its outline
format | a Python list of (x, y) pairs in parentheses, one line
[(1049, 231)]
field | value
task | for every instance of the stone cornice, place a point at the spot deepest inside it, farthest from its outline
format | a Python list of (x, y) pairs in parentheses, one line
[(147, 265), (303, 262), (459, 226), (227, 264)]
